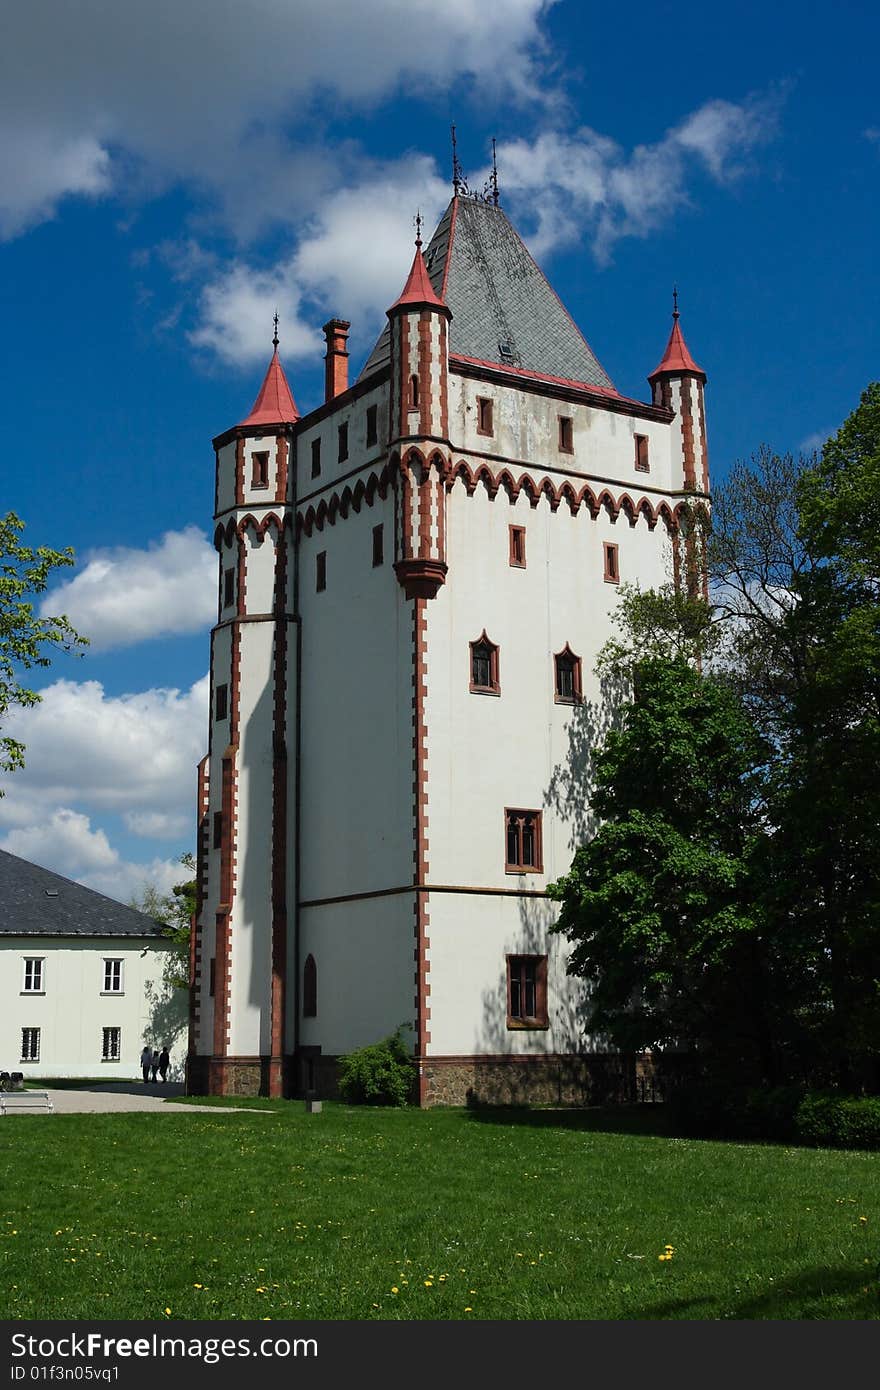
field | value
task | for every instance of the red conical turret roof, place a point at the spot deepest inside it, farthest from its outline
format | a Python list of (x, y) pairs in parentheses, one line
[(677, 358), (418, 288), (275, 404)]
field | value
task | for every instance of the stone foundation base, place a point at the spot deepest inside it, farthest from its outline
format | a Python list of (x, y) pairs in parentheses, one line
[(235, 1076), (563, 1079)]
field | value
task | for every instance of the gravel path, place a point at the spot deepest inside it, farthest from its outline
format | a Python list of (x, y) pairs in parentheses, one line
[(117, 1096)]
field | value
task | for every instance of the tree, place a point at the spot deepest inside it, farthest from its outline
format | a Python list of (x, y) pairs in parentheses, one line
[(788, 645), (655, 905), (25, 638), (175, 910)]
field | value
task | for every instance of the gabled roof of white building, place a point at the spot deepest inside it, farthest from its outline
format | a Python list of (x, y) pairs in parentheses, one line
[(504, 311), (36, 902)]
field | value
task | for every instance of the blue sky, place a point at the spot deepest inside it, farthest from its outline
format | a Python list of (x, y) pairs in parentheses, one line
[(169, 174)]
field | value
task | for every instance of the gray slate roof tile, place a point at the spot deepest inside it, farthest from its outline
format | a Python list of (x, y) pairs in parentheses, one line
[(499, 296), (36, 902)]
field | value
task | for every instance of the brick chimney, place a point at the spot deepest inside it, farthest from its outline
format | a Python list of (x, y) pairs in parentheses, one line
[(336, 358)]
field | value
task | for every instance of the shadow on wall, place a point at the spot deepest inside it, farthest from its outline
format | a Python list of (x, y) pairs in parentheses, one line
[(168, 1021), (571, 782)]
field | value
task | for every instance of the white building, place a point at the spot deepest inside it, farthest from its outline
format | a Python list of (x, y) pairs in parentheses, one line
[(81, 979), (414, 583)]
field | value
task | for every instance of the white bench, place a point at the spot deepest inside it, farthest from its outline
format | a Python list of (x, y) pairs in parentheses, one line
[(11, 1102)]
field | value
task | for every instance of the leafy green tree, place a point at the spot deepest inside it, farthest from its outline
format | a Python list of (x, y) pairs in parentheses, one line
[(25, 638), (656, 905), (789, 642)]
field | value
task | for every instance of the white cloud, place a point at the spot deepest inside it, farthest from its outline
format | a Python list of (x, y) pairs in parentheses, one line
[(337, 269), (123, 596), (132, 753), (66, 843), (585, 184), (223, 97), (814, 441)]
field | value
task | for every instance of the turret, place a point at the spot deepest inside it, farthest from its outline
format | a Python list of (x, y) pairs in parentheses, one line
[(242, 927), (419, 322), (677, 383)]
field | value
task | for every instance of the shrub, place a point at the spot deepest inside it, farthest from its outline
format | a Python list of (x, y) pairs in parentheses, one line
[(843, 1122), (381, 1074)]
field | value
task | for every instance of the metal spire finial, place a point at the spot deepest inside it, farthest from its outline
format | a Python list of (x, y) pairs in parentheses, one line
[(419, 229), (275, 339), (494, 174), (457, 179), (675, 301)]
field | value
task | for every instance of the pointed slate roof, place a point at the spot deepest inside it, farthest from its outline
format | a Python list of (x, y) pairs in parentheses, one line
[(504, 311), (418, 288), (676, 358), (275, 404), (36, 902)]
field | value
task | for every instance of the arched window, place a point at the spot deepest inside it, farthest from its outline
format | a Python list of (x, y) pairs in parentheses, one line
[(484, 667), (310, 988), (567, 677)]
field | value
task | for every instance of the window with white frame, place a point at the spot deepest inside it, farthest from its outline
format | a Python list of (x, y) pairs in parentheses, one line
[(112, 976), (30, 1044), (110, 1046), (33, 975)]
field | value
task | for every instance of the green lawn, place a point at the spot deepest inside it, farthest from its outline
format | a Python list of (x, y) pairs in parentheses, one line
[(358, 1213)]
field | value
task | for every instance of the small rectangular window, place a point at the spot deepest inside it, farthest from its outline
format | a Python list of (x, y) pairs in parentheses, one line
[(372, 424), (413, 393), (524, 842), (518, 547), (110, 1044), (378, 546), (343, 442), (221, 699), (566, 437), (218, 829), (316, 458), (228, 588), (260, 470), (30, 1044), (527, 992), (212, 976), (612, 570), (484, 415), (112, 976), (33, 975), (320, 571), (642, 465)]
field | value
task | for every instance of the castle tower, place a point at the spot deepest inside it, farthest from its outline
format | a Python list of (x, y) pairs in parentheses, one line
[(416, 579), (419, 439), (243, 942)]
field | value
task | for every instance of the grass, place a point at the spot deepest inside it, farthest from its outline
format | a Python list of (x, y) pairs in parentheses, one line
[(444, 1214)]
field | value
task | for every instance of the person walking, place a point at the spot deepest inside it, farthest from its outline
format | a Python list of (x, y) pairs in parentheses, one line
[(164, 1063), (146, 1063), (154, 1064)]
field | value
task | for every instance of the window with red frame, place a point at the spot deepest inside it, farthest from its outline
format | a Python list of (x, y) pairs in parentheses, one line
[(524, 850), (527, 992)]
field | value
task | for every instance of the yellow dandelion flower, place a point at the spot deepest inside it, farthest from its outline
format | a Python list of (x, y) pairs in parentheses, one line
[(468, 1310), (395, 1289), (198, 1286), (429, 1283), (168, 1310)]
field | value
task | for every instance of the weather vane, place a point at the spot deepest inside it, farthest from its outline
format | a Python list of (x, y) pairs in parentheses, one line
[(494, 174), (275, 339), (675, 301), (419, 228)]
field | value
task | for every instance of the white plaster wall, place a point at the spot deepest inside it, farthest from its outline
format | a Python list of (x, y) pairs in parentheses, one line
[(354, 413), (226, 477), (260, 497), (526, 432), (366, 973), (259, 559), (72, 1010), (356, 738), (251, 915), (520, 749)]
